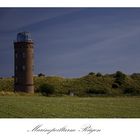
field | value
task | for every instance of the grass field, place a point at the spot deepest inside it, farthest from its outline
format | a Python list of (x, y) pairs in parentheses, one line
[(69, 107)]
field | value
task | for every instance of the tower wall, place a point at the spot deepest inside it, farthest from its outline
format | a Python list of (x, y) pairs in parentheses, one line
[(23, 57)]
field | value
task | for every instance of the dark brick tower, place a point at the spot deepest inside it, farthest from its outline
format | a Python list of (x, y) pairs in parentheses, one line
[(23, 58)]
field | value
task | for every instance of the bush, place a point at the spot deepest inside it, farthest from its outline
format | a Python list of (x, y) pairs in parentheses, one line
[(97, 91), (46, 89), (131, 91), (135, 76), (115, 85)]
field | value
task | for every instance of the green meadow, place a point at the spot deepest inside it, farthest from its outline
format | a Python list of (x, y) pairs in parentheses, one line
[(69, 107)]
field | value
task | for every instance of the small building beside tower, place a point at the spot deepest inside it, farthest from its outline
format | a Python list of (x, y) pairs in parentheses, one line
[(23, 63)]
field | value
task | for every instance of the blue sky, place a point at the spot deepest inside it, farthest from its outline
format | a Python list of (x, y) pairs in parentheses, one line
[(71, 42)]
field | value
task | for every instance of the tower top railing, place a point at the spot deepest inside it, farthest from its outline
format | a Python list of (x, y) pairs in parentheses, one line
[(24, 37)]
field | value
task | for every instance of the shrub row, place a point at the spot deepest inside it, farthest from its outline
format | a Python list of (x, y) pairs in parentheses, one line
[(89, 85)]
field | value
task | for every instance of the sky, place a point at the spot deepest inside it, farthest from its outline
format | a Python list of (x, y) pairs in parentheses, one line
[(71, 42)]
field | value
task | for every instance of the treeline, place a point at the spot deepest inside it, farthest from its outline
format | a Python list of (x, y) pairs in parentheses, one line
[(93, 84)]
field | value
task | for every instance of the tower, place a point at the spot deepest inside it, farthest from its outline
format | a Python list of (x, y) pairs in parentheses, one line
[(23, 67)]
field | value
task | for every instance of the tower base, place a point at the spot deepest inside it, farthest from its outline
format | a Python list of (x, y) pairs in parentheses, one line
[(24, 88)]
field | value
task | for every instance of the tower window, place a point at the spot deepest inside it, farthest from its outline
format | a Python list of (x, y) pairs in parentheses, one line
[(23, 67), (33, 67), (23, 54), (16, 67), (16, 55)]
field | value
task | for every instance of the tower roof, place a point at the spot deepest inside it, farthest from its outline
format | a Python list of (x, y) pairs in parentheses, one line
[(24, 37)]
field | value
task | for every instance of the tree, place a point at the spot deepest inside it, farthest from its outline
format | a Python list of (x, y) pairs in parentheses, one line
[(120, 78), (91, 73), (41, 75), (98, 74)]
